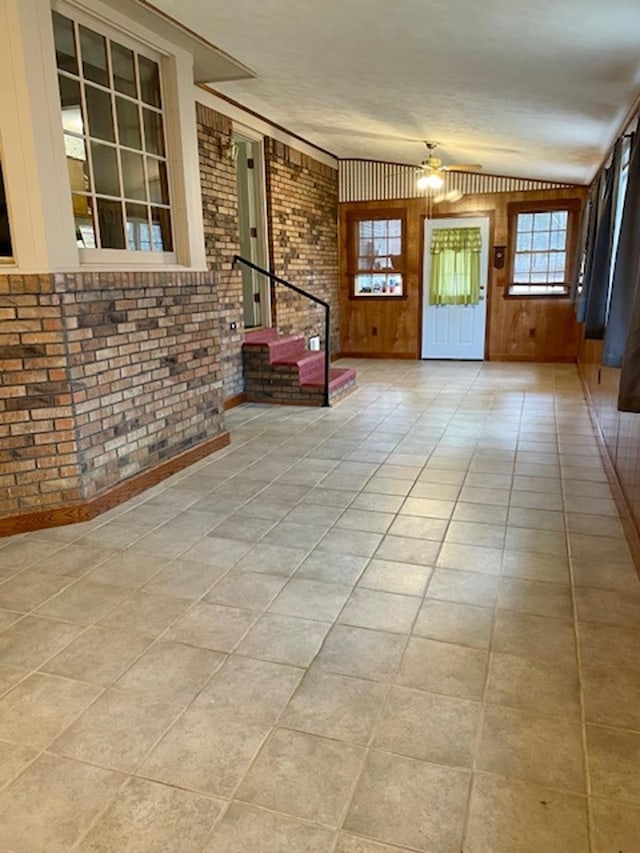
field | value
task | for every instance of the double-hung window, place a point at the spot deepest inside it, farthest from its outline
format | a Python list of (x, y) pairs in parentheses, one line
[(114, 137), (377, 253), (542, 248)]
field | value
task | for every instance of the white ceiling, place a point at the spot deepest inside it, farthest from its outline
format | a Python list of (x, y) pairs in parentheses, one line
[(530, 89)]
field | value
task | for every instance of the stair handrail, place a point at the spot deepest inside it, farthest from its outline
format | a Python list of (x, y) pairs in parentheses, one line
[(238, 259)]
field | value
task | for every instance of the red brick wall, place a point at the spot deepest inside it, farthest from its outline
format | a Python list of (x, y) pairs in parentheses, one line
[(302, 201), (110, 372), (38, 451), (222, 241)]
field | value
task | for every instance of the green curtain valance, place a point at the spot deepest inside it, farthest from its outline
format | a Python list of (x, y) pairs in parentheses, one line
[(456, 239)]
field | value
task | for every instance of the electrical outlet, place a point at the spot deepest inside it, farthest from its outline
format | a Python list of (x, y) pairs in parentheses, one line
[(233, 326)]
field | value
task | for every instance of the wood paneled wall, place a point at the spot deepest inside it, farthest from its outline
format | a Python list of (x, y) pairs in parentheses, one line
[(620, 430), (517, 329)]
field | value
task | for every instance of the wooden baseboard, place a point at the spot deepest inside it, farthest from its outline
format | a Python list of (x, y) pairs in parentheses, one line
[(387, 355), (527, 359), (236, 400), (629, 523), (129, 488)]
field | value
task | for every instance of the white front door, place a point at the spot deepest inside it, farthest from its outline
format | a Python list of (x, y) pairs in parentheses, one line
[(455, 331)]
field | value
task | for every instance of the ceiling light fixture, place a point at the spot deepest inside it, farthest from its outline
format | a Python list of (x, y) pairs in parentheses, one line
[(431, 181)]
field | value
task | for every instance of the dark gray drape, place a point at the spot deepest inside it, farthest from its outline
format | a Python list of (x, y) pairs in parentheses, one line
[(629, 395), (627, 267), (595, 205), (586, 228), (597, 291)]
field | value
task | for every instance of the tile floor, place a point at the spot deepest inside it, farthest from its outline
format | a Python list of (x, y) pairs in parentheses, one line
[(408, 623)]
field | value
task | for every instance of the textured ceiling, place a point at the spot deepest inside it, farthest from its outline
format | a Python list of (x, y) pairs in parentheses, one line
[(531, 89)]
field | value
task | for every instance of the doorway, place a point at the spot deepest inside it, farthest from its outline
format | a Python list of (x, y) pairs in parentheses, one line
[(450, 330), (256, 294)]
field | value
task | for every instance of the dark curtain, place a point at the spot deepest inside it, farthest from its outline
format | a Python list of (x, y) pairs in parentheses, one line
[(586, 259), (586, 219), (627, 267), (597, 295)]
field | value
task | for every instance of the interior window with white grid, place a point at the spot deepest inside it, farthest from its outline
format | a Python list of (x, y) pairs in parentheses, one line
[(540, 256), (111, 99), (379, 258)]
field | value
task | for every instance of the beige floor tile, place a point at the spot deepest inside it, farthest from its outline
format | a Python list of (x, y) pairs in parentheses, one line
[(527, 565), (536, 685), (380, 611), (616, 826), (311, 599), (471, 533), (13, 760), (147, 817), (454, 623), (361, 653), (464, 587), (545, 485), (507, 816), (117, 731), (538, 541), (374, 502), (127, 568), (284, 639), (609, 646), (613, 756), (595, 525), (111, 536), (533, 636), (389, 576), (205, 751), (612, 607), (388, 486), (254, 690), (245, 828), (332, 568), (216, 551), (8, 617), (250, 590), (335, 706), (524, 499), (444, 668), (40, 707), (404, 549), (212, 626), (241, 528), (365, 520), (171, 672), (427, 507), (480, 513), (538, 599), (537, 519), (357, 844), (587, 505), (29, 589), (471, 558), (606, 575), (145, 613), (53, 803), (418, 527), (98, 655), (350, 542), (482, 495), (304, 776), (22, 553), (487, 480), (291, 535), (604, 548), (9, 677), (184, 580), (273, 559), (29, 642), (442, 476), (84, 602), (531, 748), (402, 801), (438, 729), (72, 560), (611, 696)]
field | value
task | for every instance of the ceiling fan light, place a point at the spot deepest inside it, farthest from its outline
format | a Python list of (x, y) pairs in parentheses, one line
[(423, 182), (434, 181)]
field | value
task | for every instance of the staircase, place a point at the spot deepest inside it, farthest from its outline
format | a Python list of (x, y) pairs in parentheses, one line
[(280, 369)]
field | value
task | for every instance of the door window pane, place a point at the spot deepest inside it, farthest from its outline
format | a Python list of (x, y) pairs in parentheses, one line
[(138, 231), (111, 225), (124, 69), (149, 81), (128, 123), (133, 175), (65, 43), (100, 117), (158, 184), (105, 169), (71, 103), (153, 133), (94, 56)]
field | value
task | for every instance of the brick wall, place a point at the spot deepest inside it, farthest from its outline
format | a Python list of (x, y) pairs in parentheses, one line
[(38, 451), (222, 241), (110, 373), (302, 200)]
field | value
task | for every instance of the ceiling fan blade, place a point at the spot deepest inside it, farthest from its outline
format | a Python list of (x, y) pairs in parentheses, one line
[(463, 167)]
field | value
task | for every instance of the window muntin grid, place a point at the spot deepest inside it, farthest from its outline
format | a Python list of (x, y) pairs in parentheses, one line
[(114, 139), (540, 256), (379, 258)]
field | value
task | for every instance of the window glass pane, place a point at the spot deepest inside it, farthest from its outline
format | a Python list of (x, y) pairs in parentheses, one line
[(541, 240), (559, 219), (378, 285), (79, 179), (111, 225), (541, 221), (6, 247), (366, 230), (71, 104), (558, 239), (153, 134), (94, 56), (524, 242), (559, 261), (380, 228), (124, 69), (540, 262), (158, 185), (105, 169), (128, 123), (100, 117), (162, 238), (133, 175), (138, 231), (149, 81), (523, 263), (85, 229), (525, 222), (65, 44), (395, 228)]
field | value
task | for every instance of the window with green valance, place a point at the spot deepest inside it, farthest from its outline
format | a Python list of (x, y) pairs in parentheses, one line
[(455, 266)]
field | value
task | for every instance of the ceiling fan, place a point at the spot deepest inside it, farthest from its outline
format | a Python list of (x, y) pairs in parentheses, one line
[(430, 171)]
